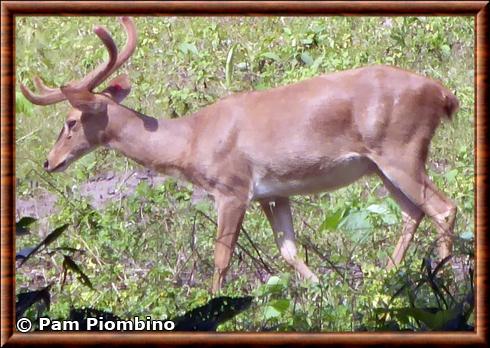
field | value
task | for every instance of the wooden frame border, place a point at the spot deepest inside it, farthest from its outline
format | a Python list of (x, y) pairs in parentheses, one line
[(9, 9)]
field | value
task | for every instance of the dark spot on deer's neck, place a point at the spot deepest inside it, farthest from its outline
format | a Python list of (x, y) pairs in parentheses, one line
[(150, 123)]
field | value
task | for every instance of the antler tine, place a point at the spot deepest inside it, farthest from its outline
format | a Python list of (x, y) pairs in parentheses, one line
[(41, 87), (54, 95), (48, 95), (130, 45), (97, 76)]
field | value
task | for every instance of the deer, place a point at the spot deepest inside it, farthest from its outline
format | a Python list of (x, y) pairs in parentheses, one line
[(311, 136)]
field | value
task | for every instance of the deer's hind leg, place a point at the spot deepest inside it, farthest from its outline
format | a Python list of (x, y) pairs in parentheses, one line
[(417, 193), (411, 216)]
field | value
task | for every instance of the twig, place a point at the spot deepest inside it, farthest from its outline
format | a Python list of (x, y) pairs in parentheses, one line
[(305, 240), (256, 250), (265, 266), (27, 135)]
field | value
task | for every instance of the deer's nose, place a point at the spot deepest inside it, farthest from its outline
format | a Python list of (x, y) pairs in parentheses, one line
[(46, 165)]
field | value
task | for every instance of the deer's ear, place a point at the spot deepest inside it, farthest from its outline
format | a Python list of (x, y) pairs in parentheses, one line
[(118, 88), (83, 100)]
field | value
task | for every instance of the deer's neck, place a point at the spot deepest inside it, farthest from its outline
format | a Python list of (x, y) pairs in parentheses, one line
[(161, 145)]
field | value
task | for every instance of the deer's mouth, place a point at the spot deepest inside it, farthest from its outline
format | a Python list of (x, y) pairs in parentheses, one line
[(59, 167)]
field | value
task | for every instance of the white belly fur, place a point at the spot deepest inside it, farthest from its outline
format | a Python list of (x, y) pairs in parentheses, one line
[(345, 171)]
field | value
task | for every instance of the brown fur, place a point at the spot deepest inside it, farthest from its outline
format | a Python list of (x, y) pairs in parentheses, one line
[(310, 136)]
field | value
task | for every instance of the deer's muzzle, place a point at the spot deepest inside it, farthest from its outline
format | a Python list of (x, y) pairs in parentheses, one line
[(58, 168)]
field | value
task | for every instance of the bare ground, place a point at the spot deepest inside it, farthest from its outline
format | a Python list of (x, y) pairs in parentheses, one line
[(100, 189)]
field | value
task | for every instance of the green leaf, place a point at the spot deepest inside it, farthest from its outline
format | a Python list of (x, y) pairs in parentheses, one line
[(274, 280), (446, 49), (22, 105), (389, 219), (68, 263), (28, 299), (451, 176), (186, 47), (384, 212), (275, 285), (21, 225), (229, 65), (307, 41), (356, 224), (270, 55), (281, 305), (25, 221), (332, 222), (242, 66), (378, 209), (45, 242), (467, 235), (317, 62), (50, 238), (276, 308), (434, 321), (23, 253), (306, 58), (357, 220), (270, 312)]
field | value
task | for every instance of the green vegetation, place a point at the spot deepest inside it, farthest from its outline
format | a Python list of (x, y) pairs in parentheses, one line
[(152, 252)]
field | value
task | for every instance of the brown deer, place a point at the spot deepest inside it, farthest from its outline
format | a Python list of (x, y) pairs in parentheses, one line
[(315, 135)]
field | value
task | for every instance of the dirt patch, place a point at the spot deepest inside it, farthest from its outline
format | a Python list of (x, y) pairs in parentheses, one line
[(37, 207), (100, 190), (110, 186)]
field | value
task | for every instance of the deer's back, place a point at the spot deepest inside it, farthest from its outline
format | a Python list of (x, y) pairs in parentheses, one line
[(320, 124)]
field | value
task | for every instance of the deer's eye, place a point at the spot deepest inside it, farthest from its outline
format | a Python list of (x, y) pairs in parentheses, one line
[(71, 124)]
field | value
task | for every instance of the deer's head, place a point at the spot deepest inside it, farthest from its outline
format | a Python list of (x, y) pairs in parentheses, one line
[(86, 122)]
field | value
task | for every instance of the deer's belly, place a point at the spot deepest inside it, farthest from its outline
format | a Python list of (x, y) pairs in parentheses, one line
[(342, 173)]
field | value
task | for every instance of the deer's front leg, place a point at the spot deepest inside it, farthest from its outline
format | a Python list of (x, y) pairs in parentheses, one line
[(230, 216)]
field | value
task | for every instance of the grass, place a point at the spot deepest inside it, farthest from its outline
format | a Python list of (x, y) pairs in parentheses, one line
[(151, 253)]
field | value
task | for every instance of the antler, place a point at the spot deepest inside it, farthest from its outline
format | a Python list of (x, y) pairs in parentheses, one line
[(97, 76)]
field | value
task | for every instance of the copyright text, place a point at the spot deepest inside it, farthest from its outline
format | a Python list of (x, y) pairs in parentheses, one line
[(98, 324)]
